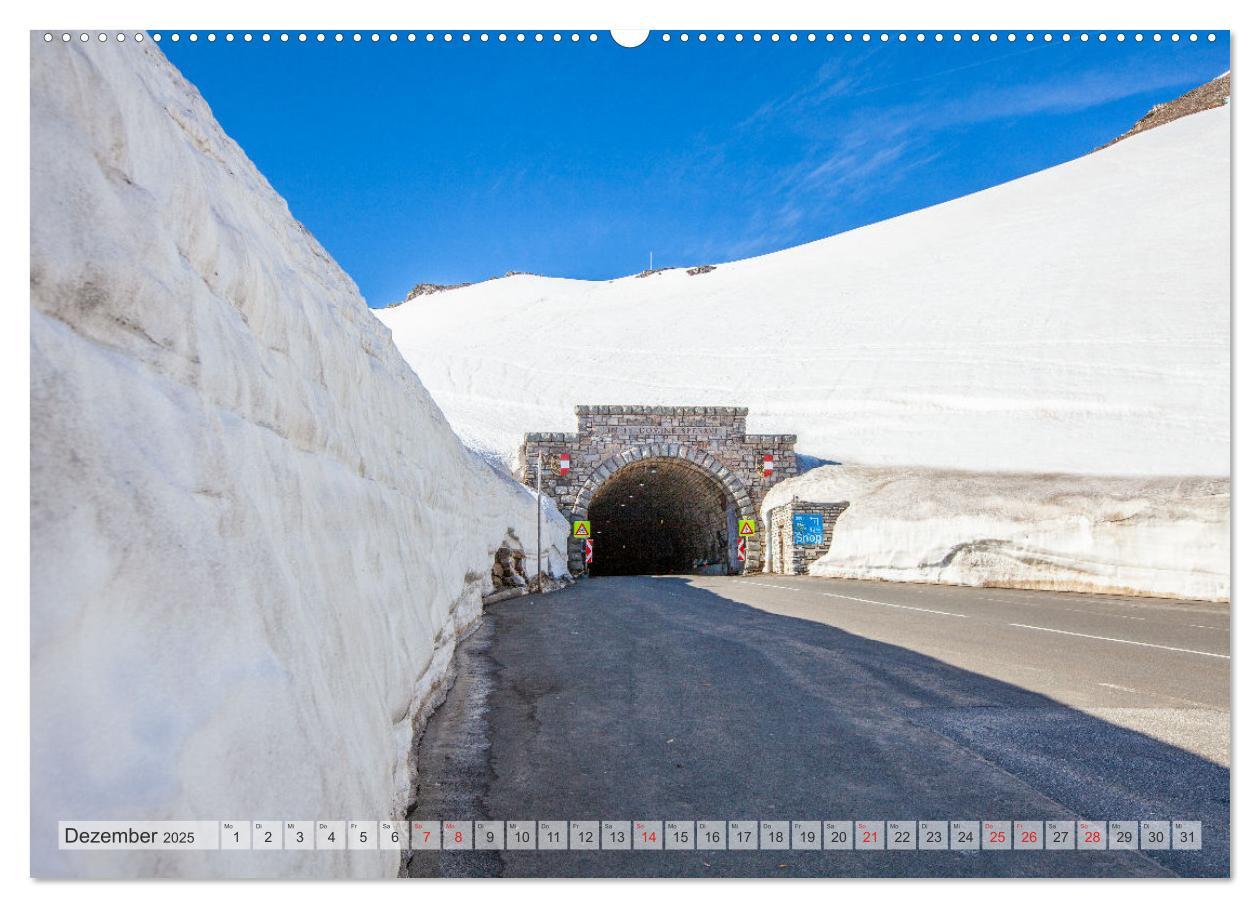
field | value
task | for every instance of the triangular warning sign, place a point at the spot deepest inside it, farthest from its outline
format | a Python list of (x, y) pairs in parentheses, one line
[(582, 529), (747, 526)]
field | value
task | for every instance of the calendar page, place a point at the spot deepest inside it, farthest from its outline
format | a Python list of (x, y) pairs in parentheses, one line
[(557, 450)]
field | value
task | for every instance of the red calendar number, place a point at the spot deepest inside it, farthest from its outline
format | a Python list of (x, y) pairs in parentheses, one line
[(870, 837), (1093, 836), (1028, 836), (997, 836)]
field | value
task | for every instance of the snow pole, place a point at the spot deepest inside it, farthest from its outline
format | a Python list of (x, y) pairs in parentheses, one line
[(538, 500)]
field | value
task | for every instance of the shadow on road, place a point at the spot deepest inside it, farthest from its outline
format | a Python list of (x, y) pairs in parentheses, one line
[(648, 698)]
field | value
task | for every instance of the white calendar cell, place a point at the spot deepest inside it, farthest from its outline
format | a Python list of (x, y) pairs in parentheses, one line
[(426, 835), (1122, 835), (584, 835), (711, 835), (392, 835), (901, 835), (457, 835), (1091, 835), (806, 835), (680, 835), (964, 835), (995, 835), (868, 835), (614, 835), (361, 835), (774, 835), (299, 835), (234, 835), (1028, 835), (742, 835), (933, 835), (268, 835), (1156, 835), (1060, 835), (837, 835), (521, 835), (1187, 835), (553, 835), (488, 835), (649, 835), (330, 835)]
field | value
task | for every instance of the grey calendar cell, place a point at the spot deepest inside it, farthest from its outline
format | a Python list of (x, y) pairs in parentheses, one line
[(901, 835), (1091, 835), (457, 835), (234, 835), (330, 835), (361, 835), (868, 835), (268, 835), (1060, 835), (742, 835), (553, 835), (521, 835), (837, 835), (775, 835), (299, 835), (584, 835), (711, 835), (680, 835), (1029, 835), (649, 835), (393, 835), (426, 835), (806, 835), (1122, 835), (933, 835), (614, 835), (488, 835), (964, 835), (1156, 835), (995, 835), (1187, 835)]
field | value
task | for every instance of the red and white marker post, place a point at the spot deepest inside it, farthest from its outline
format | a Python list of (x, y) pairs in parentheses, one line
[(588, 550), (564, 464), (767, 465), (741, 550)]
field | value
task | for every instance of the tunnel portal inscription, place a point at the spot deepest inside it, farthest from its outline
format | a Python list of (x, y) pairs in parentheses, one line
[(663, 487)]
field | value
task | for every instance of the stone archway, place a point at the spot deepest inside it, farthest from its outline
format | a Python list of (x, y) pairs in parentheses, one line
[(714, 441)]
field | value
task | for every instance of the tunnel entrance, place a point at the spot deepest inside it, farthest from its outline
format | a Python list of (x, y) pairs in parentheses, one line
[(661, 516)]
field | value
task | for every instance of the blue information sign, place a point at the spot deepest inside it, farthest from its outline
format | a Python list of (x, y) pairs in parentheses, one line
[(807, 529)]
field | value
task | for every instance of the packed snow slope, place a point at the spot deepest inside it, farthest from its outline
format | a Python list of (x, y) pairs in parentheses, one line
[(1151, 536), (254, 538), (1074, 320)]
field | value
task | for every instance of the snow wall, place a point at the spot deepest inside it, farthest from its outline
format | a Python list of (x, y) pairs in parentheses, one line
[(254, 538), (1151, 536)]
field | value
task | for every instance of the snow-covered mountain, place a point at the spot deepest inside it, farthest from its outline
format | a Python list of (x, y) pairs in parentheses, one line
[(1074, 320)]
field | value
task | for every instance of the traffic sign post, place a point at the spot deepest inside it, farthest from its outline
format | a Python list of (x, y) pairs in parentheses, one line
[(588, 551), (564, 464), (767, 465), (741, 550)]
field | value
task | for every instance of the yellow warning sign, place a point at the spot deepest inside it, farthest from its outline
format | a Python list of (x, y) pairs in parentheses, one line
[(581, 529), (747, 526)]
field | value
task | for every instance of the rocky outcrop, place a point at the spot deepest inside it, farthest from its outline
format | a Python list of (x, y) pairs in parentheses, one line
[(1205, 97)]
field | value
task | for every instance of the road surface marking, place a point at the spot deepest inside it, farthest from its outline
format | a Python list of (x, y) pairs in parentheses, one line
[(1127, 690), (1175, 649), (909, 608)]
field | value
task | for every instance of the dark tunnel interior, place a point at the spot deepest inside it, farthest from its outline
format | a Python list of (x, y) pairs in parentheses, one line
[(659, 517)]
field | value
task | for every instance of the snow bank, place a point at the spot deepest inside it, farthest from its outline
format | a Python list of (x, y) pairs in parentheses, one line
[(254, 537), (1150, 536), (1074, 320)]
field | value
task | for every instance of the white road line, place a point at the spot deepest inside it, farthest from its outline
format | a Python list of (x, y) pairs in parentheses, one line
[(909, 608), (1175, 649), (1127, 690)]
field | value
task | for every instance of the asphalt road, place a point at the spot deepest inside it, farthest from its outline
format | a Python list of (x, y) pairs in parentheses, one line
[(792, 698)]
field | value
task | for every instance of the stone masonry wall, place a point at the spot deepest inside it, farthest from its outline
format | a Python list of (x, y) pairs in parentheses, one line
[(783, 555), (711, 439)]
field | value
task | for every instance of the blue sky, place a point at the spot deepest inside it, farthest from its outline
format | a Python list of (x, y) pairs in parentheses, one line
[(450, 162)]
